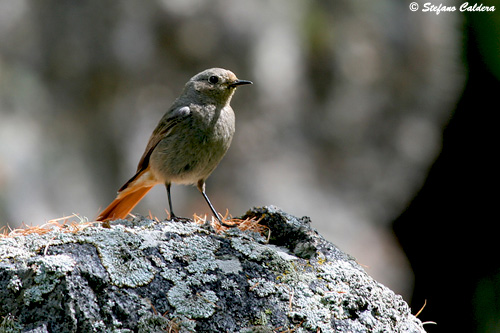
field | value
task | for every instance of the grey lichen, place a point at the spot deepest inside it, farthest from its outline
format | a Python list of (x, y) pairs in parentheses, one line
[(252, 250), (262, 287), (153, 276), (15, 284), (48, 272), (122, 255), (192, 304), (231, 265)]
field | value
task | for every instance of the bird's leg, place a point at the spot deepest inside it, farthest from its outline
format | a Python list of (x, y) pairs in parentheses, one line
[(201, 188), (172, 215)]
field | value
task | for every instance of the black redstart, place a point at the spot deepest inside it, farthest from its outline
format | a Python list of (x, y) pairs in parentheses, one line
[(187, 144)]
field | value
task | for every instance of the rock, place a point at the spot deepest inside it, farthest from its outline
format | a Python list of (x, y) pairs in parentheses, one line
[(150, 276)]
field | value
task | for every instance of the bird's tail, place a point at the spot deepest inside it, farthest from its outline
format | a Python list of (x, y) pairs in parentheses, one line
[(124, 203), (129, 195)]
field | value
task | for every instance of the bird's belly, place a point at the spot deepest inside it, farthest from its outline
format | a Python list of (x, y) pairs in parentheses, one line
[(186, 161)]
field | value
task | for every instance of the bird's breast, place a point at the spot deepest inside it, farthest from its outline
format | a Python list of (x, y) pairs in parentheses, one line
[(196, 146)]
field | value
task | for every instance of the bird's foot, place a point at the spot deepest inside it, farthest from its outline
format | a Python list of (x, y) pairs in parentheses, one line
[(224, 224), (175, 218)]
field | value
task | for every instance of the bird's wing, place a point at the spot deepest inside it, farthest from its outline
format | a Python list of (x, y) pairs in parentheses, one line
[(166, 124)]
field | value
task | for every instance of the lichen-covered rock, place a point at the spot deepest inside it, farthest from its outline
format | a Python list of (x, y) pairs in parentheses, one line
[(149, 276)]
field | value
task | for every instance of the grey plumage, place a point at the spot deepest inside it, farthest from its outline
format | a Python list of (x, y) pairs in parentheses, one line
[(187, 144)]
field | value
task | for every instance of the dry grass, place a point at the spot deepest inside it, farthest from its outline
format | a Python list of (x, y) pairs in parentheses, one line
[(74, 223), (247, 224), (64, 224)]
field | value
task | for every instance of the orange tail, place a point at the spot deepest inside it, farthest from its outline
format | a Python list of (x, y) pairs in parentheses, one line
[(123, 204)]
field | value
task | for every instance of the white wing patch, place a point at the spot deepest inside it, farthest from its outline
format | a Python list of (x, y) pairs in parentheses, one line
[(182, 112)]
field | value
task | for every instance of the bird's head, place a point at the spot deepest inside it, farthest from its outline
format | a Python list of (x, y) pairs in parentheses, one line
[(215, 85)]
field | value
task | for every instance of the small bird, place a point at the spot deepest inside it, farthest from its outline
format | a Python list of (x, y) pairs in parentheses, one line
[(187, 144)]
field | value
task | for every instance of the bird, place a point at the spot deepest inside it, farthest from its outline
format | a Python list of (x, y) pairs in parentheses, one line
[(187, 144)]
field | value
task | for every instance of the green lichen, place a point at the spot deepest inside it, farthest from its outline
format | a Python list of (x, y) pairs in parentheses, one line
[(262, 319)]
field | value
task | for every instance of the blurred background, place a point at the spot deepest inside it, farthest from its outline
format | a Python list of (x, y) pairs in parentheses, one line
[(373, 120)]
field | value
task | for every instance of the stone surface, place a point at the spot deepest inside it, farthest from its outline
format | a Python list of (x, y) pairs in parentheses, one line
[(150, 276)]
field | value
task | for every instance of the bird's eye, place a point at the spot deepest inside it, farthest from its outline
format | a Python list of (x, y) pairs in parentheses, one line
[(213, 79)]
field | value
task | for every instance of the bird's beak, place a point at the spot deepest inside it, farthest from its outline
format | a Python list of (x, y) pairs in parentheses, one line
[(240, 83)]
